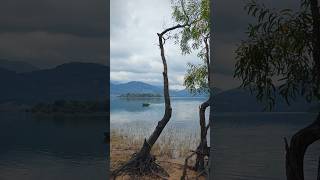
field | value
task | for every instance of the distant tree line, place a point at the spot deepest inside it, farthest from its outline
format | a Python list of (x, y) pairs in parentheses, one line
[(133, 95), (71, 106)]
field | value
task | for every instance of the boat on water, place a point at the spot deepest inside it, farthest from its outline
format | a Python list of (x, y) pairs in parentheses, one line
[(145, 104)]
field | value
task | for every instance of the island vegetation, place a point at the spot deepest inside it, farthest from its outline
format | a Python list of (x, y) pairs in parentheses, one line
[(140, 95), (70, 107)]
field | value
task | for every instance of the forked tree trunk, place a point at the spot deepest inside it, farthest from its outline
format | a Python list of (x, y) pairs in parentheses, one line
[(202, 149), (305, 137)]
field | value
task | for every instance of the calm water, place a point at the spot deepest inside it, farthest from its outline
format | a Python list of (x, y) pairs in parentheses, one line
[(248, 146), (52, 148)]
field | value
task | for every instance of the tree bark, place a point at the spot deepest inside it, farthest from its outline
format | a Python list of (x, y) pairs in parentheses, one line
[(146, 148), (143, 162), (202, 149), (168, 110), (297, 149)]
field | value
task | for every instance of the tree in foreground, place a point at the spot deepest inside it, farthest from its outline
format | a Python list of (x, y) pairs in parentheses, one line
[(282, 56), (196, 38), (143, 162)]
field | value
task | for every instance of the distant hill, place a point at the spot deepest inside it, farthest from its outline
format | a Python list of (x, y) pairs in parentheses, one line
[(133, 87), (89, 81), (17, 66), (241, 100), (71, 81), (141, 87)]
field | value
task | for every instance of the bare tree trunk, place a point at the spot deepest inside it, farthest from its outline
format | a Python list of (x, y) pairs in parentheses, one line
[(202, 149), (168, 110), (305, 137), (297, 149), (143, 162)]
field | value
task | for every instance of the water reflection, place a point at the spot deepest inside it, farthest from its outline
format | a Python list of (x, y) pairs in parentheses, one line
[(248, 146)]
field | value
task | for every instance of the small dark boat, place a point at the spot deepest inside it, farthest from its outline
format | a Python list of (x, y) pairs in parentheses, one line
[(145, 104)]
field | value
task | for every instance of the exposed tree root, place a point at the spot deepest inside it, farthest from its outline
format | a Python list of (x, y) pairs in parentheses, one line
[(141, 166), (186, 166)]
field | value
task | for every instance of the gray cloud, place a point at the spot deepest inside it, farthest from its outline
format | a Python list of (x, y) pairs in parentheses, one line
[(134, 51), (135, 54), (51, 32), (46, 49), (77, 17)]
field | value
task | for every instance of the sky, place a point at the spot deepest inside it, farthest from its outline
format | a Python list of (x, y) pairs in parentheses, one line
[(135, 55), (47, 33)]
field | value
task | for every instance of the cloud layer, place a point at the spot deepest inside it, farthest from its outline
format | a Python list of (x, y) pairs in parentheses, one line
[(135, 55), (50, 32), (134, 51)]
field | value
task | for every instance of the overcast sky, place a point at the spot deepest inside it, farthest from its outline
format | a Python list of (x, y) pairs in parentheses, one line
[(46, 33), (135, 54)]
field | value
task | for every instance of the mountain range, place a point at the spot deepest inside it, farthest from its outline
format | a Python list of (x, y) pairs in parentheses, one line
[(79, 81), (89, 81), (141, 87), (232, 100)]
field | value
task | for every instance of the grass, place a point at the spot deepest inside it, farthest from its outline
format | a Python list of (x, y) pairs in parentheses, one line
[(172, 147), (172, 143)]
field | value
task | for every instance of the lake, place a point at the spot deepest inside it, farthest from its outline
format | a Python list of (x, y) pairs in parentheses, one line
[(52, 148), (248, 146)]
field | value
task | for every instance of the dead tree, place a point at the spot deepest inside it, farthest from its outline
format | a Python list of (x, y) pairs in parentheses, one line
[(143, 162)]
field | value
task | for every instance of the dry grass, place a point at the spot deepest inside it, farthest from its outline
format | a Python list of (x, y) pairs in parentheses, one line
[(171, 149), (172, 144)]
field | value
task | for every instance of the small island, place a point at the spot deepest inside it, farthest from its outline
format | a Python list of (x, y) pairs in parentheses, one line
[(140, 95), (70, 107)]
